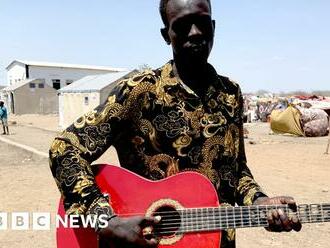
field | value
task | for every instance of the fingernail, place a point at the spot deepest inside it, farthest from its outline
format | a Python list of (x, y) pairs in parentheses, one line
[(158, 218), (280, 211)]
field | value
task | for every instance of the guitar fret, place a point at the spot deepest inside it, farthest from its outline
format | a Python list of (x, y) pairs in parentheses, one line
[(199, 223), (254, 215), (206, 222), (242, 219), (220, 217), (309, 213), (322, 215), (326, 212), (200, 219), (233, 217), (250, 222), (185, 221), (190, 225), (316, 213), (214, 222), (226, 211), (258, 216), (237, 217), (223, 218), (247, 216)]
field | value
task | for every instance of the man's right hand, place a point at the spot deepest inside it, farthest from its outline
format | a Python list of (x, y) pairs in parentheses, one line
[(128, 233)]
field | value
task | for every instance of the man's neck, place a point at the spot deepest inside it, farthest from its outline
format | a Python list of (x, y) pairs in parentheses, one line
[(195, 76)]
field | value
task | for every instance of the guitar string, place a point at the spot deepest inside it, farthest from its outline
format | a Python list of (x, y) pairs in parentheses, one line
[(228, 221), (213, 224), (210, 220), (242, 214), (243, 217), (232, 208), (232, 221), (201, 226), (239, 218), (229, 210)]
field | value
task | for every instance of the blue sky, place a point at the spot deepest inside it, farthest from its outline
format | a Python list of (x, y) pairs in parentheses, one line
[(277, 45)]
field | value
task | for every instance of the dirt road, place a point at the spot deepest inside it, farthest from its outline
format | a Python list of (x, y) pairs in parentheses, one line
[(283, 165)]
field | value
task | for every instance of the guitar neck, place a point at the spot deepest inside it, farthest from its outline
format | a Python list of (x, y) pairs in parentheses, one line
[(208, 219)]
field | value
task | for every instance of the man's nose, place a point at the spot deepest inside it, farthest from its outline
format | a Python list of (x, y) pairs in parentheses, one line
[(194, 30)]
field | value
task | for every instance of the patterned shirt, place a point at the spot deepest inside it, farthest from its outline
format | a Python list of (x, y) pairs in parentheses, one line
[(159, 127)]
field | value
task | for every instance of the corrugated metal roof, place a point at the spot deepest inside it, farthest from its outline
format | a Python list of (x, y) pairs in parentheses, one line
[(93, 83), (18, 85), (63, 65)]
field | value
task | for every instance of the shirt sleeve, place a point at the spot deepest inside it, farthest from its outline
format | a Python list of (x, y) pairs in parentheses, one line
[(73, 151), (247, 189)]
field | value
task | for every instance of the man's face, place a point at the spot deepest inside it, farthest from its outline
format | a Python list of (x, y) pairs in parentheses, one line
[(190, 29)]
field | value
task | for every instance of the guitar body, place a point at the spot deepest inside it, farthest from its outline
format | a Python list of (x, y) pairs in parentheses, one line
[(131, 194)]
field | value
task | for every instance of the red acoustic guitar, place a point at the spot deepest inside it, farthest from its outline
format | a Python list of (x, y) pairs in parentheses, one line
[(188, 204)]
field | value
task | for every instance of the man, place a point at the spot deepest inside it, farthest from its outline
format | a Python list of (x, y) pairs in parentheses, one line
[(183, 116), (4, 118)]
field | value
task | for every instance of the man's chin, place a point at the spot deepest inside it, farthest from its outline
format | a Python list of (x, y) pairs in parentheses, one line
[(197, 59), (192, 58)]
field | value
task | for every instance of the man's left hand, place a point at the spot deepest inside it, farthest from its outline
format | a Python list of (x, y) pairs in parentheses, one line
[(278, 220)]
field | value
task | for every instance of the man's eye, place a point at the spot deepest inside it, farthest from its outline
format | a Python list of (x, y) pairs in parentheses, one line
[(204, 22), (181, 27)]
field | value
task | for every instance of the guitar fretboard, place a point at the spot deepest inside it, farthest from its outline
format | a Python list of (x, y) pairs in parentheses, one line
[(208, 219)]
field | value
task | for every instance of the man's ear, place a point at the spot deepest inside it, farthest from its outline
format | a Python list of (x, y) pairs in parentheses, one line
[(164, 32), (213, 22)]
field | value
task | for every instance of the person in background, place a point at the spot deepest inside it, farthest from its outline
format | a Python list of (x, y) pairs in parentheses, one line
[(4, 118)]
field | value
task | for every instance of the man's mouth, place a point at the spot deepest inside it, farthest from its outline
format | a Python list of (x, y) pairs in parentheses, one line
[(196, 48)]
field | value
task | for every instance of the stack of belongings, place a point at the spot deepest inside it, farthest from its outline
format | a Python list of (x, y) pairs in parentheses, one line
[(266, 106), (300, 121), (314, 122)]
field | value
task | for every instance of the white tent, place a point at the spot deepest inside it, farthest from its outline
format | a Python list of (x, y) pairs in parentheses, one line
[(85, 94)]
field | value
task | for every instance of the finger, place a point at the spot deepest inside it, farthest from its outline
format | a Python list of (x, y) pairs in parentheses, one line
[(274, 222), (293, 206), (296, 224), (149, 221), (270, 218), (287, 200), (147, 231), (285, 222), (151, 242)]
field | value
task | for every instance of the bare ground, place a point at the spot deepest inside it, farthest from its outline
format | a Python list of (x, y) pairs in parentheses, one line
[(283, 165)]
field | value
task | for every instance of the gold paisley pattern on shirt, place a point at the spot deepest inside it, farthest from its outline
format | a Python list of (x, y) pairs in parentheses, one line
[(229, 102), (94, 118)]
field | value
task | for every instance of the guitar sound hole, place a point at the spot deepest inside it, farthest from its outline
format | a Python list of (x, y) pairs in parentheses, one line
[(170, 222)]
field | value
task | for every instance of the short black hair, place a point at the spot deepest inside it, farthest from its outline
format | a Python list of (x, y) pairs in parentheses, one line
[(162, 10)]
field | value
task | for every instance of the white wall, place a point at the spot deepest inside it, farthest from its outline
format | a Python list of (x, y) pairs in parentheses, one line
[(49, 73), (16, 74), (73, 105)]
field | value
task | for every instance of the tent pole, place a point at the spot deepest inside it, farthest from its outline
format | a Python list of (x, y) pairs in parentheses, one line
[(327, 150)]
